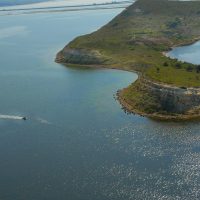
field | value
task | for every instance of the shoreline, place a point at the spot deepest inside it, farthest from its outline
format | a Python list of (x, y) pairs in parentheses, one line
[(160, 93), (128, 108)]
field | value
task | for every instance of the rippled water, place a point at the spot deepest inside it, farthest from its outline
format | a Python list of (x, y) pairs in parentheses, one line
[(77, 142)]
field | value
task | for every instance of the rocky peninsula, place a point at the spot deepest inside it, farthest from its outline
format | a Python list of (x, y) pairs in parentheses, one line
[(136, 40)]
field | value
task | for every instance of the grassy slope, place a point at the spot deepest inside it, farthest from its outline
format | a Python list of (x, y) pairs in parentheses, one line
[(136, 38)]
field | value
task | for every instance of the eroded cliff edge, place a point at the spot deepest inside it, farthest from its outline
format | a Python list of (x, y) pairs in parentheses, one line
[(161, 101), (135, 40)]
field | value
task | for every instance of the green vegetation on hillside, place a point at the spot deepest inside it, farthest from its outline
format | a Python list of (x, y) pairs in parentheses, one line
[(136, 38)]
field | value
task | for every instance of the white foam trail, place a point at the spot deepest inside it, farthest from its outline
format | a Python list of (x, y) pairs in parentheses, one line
[(12, 117), (15, 117)]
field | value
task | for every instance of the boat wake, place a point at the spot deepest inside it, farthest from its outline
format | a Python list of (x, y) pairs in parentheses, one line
[(15, 117), (12, 117)]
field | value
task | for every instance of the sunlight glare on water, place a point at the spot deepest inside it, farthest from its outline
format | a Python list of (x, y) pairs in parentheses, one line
[(78, 143)]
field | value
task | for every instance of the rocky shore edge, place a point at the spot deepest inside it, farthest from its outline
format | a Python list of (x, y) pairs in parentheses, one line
[(184, 102)]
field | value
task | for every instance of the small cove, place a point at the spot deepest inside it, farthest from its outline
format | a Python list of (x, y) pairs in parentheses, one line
[(188, 53)]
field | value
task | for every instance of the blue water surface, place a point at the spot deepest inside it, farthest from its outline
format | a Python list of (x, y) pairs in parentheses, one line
[(78, 143)]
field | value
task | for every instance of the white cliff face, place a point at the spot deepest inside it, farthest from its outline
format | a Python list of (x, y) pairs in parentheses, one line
[(174, 99)]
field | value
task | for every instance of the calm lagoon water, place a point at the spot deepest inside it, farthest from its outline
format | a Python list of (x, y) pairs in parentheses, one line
[(78, 144), (187, 53)]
